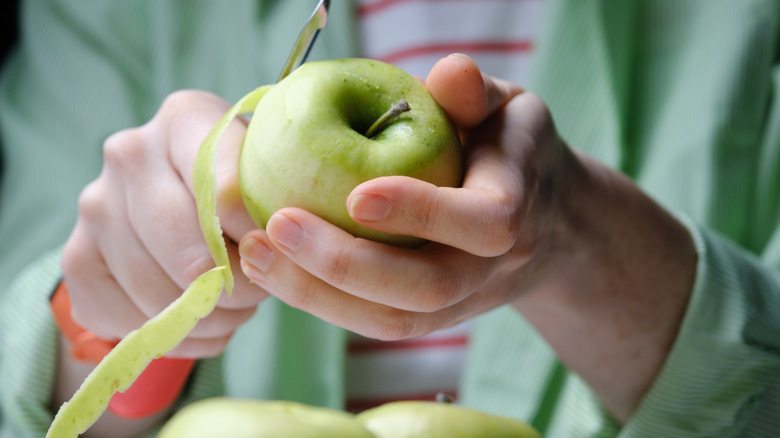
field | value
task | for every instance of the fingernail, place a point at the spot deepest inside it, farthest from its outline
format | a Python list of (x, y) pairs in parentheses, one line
[(285, 231), (369, 208), (257, 254)]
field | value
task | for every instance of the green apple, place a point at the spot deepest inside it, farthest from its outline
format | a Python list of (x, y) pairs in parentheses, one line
[(308, 143), (421, 419), (240, 418)]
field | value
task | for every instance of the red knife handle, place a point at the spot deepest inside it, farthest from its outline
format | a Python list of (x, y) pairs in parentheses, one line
[(155, 389)]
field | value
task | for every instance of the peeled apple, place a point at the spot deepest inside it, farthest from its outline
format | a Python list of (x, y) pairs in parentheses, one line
[(238, 418), (421, 419)]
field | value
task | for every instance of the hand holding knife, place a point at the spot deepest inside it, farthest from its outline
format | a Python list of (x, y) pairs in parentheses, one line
[(162, 381)]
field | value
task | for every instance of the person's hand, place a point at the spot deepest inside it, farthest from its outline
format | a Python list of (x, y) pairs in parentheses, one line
[(601, 271), (480, 235), (137, 243)]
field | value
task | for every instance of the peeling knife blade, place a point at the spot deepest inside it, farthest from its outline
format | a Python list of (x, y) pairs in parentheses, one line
[(306, 39)]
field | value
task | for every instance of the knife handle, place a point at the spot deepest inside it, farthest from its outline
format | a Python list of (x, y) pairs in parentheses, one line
[(155, 389)]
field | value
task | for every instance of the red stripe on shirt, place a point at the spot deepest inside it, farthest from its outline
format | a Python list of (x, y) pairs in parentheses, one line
[(410, 344), (368, 9), (462, 47)]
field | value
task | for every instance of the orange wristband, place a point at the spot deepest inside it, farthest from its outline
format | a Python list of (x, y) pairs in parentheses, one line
[(154, 390), (85, 346)]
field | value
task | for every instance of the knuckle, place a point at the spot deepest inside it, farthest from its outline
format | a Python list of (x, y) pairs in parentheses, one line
[(100, 325), (338, 266), (393, 325), (179, 107), (539, 111), (92, 202), (88, 321), (188, 267), (503, 230), (302, 298), (301, 294), (220, 323), (180, 100), (182, 121), (197, 348), (442, 291), (538, 122), (74, 257), (450, 283), (126, 149), (174, 105), (246, 294), (428, 209)]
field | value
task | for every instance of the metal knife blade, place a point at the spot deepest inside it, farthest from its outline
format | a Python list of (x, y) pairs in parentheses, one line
[(306, 39)]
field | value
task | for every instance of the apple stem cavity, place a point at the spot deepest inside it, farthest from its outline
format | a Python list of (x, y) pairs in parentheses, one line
[(396, 110)]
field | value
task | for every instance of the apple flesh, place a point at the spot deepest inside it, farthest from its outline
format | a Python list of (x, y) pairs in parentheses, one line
[(421, 419), (306, 145), (240, 418)]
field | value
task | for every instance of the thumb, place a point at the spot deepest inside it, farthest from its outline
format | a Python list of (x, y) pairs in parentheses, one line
[(466, 95)]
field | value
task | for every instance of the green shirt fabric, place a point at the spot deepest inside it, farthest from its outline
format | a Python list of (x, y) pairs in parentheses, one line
[(681, 95)]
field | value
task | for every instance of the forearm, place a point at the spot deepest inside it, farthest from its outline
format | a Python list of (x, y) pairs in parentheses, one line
[(617, 286), (70, 375)]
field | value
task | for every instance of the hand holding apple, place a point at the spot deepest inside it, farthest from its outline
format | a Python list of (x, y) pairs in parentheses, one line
[(600, 270), (388, 292)]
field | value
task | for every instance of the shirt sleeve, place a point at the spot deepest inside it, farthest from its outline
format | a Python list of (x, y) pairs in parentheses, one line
[(721, 377), (28, 349), (28, 355)]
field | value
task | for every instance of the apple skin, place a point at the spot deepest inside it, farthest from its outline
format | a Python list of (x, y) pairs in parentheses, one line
[(421, 419), (243, 418), (305, 145)]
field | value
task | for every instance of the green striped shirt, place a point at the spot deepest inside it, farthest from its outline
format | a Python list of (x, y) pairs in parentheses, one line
[(681, 95)]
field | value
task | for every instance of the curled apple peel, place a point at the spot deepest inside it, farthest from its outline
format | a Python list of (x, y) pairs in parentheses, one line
[(122, 365), (204, 178)]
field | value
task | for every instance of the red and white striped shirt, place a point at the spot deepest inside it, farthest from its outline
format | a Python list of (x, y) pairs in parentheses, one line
[(414, 34)]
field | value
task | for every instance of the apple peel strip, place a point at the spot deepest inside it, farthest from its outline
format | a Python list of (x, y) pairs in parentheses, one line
[(205, 181), (127, 360)]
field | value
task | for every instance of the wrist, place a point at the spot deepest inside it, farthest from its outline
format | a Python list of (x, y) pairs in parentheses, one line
[(618, 276), (153, 392)]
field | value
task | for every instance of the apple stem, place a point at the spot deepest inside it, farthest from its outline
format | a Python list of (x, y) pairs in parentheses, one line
[(442, 397), (396, 110)]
